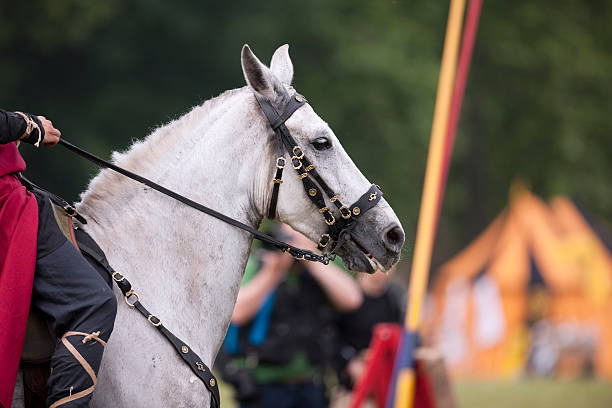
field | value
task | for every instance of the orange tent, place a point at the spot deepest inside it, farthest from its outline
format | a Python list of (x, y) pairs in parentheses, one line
[(536, 280)]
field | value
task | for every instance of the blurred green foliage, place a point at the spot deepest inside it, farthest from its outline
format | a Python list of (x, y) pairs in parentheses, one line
[(538, 103)]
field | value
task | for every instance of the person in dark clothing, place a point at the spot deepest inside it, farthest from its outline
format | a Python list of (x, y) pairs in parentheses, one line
[(79, 305), (283, 327), (382, 303)]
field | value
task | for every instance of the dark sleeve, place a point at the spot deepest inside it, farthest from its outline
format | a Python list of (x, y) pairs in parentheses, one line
[(12, 126)]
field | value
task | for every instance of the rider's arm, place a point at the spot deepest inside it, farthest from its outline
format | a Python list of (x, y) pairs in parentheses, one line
[(20, 126), (28, 128)]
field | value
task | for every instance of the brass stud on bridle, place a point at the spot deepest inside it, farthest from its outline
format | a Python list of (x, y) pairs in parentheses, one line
[(312, 192), (185, 349), (356, 211)]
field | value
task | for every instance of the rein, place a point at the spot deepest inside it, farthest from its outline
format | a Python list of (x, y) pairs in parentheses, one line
[(297, 253)]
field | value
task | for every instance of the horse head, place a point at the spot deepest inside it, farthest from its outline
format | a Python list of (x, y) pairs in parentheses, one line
[(375, 239)]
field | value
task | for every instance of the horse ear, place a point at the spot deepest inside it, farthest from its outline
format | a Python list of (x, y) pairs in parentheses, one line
[(258, 76), (281, 64)]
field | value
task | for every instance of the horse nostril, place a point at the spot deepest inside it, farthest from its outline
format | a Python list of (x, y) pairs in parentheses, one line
[(394, 238)]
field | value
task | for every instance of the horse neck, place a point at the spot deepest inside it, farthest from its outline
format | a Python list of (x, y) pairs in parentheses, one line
[(190, 260)]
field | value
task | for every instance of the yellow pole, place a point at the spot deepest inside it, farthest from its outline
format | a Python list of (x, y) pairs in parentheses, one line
[(431, 189), (404, 396)]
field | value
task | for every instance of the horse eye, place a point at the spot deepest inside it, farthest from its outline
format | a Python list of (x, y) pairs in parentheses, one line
[(321, 143)]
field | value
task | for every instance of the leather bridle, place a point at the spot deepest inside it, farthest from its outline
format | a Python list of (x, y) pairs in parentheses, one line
[(339, 227)]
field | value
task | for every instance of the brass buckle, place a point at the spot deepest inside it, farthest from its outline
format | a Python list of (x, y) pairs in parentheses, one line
[(324, 211), (114, 276), (69, 210), (325, 237), (293, 159), (299, 149), (150, 319), (278, 165), (345, 212), (128, 295)]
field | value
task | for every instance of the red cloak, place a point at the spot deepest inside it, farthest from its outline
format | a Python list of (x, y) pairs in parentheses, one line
[(18, 233)]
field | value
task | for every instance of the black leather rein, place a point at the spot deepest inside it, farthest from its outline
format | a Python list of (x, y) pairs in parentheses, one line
[(283, 246)]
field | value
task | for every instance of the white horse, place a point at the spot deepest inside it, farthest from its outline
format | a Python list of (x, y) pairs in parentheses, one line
[(187, 266)]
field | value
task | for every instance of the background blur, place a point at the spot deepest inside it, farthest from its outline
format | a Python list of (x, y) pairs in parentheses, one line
[(537, 107)]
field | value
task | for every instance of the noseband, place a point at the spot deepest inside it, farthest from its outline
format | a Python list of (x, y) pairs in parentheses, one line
[(339, 227)]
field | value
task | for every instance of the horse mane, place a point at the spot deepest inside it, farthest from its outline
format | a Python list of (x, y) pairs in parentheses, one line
[(140, 157)]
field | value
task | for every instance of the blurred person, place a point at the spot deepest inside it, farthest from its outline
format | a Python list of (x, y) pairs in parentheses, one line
[(383, 302), (38, 264), (283, 330)]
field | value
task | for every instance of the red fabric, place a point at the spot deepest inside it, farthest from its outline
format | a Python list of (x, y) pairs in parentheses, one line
[(379, 365), (18, 231), (423, 394)]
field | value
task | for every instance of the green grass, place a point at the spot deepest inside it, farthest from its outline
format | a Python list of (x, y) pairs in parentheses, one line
[(533, 393), (514, 394)]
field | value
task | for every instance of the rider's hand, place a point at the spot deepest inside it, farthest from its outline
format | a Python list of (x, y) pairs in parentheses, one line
[(52, 135)]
